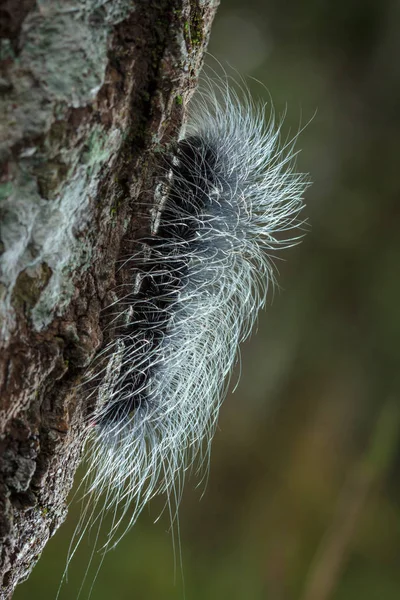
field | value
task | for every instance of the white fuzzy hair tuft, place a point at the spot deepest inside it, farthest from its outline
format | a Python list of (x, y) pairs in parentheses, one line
[(198, 284)]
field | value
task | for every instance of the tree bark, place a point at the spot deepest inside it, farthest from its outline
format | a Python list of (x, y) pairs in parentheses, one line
[(92, 92)]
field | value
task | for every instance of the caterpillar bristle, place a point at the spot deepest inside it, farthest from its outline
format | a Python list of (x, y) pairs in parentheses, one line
[(198, 282)]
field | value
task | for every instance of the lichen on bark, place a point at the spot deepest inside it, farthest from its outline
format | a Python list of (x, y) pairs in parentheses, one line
[(88, 102)]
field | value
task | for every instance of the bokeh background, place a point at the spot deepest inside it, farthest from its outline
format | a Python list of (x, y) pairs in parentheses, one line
[(303, 497)]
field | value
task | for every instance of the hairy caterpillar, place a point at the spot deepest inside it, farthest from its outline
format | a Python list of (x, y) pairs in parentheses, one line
[(197, 285)]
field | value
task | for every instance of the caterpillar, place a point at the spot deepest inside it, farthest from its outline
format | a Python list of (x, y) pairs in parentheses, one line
[(198, 282)]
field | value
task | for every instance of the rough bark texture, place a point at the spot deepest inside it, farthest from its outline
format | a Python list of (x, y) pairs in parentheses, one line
[(91, 93)]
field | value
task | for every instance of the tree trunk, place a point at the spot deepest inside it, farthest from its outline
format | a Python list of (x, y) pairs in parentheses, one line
[(91, 94)]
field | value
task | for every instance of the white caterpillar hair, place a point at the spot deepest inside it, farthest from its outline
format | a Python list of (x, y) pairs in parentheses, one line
[(197, 284)]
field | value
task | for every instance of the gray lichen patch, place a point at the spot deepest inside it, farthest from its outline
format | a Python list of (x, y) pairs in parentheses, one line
[(66, 56), (50, 167), (38, 229), (62, 60)]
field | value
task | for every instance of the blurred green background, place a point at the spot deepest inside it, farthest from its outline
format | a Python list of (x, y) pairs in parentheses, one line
[(302, 502)]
